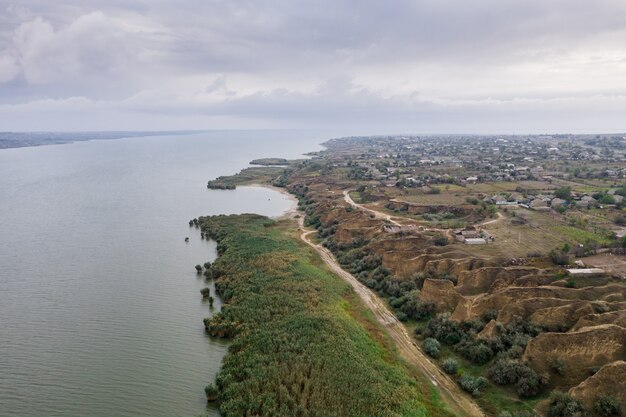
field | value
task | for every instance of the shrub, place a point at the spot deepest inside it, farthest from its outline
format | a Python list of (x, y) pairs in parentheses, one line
[(440, 240), (451, 366), (211, 392), (474, 350), (507, 371), (473, 385), (562, 405), (431, 347), (558, 258), (564, 193), (558, 366), (608, 406), (444, 330)]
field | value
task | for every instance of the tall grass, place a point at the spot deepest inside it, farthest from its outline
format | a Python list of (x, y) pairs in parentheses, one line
[(296, 349)]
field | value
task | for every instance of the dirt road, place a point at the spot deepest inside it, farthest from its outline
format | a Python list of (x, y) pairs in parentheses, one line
[(458, 401), (376, 214), (500, 217)]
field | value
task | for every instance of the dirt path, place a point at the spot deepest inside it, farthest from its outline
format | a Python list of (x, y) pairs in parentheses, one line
[(500, 217), (376, 214), (383, 216), (458, 401)]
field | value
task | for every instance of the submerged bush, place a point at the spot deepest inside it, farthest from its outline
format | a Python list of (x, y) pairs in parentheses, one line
[(211, 392)]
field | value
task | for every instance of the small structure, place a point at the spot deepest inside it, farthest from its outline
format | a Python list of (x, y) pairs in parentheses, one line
[(475, 241), (585, 272), (472, 236)]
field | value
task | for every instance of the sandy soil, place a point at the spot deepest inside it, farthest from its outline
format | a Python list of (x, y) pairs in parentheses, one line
[(613, 264)]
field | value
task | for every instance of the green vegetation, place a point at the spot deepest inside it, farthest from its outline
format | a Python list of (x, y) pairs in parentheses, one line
[(608, 406), (431, 347), (562, 405), (248, 176), (473, 385), (297, 348), (269, 161), (211, 392), (450, 366)]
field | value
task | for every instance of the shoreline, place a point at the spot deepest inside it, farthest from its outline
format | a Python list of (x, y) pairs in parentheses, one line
[(292, 211)]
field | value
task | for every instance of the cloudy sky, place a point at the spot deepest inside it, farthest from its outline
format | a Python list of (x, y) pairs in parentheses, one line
[(420, 66)]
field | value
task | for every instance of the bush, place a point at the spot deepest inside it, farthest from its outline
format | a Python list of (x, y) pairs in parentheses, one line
[(564, 193), (402, 316), (558, 257), (562, 405), (507, 371), (211, 392), (475, 351), (608, 406), (444, 330), (558, 366), (451, 366), (431, 347), (473, 385), (440, 240)]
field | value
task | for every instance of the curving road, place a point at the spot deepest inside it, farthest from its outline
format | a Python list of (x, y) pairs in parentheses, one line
[(376, 214), (458, 401)]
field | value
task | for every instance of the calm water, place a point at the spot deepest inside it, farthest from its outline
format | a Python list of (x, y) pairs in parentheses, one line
[(100, 310)]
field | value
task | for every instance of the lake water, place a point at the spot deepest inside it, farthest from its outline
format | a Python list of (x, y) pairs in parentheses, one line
[(100, 309)]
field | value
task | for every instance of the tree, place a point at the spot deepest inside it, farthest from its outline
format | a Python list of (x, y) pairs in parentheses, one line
[(564, 193), (206, 292), (198, 268)]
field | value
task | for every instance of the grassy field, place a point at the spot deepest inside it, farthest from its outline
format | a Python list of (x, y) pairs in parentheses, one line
[(303, 344)]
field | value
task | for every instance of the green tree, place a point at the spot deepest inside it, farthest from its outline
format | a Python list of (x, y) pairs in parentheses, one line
[(564, 193)]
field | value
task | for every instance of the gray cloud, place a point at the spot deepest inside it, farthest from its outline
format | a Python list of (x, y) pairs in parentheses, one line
[(421, 65)]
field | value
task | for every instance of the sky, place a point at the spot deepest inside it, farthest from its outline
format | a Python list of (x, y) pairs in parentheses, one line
[(361, 66)]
